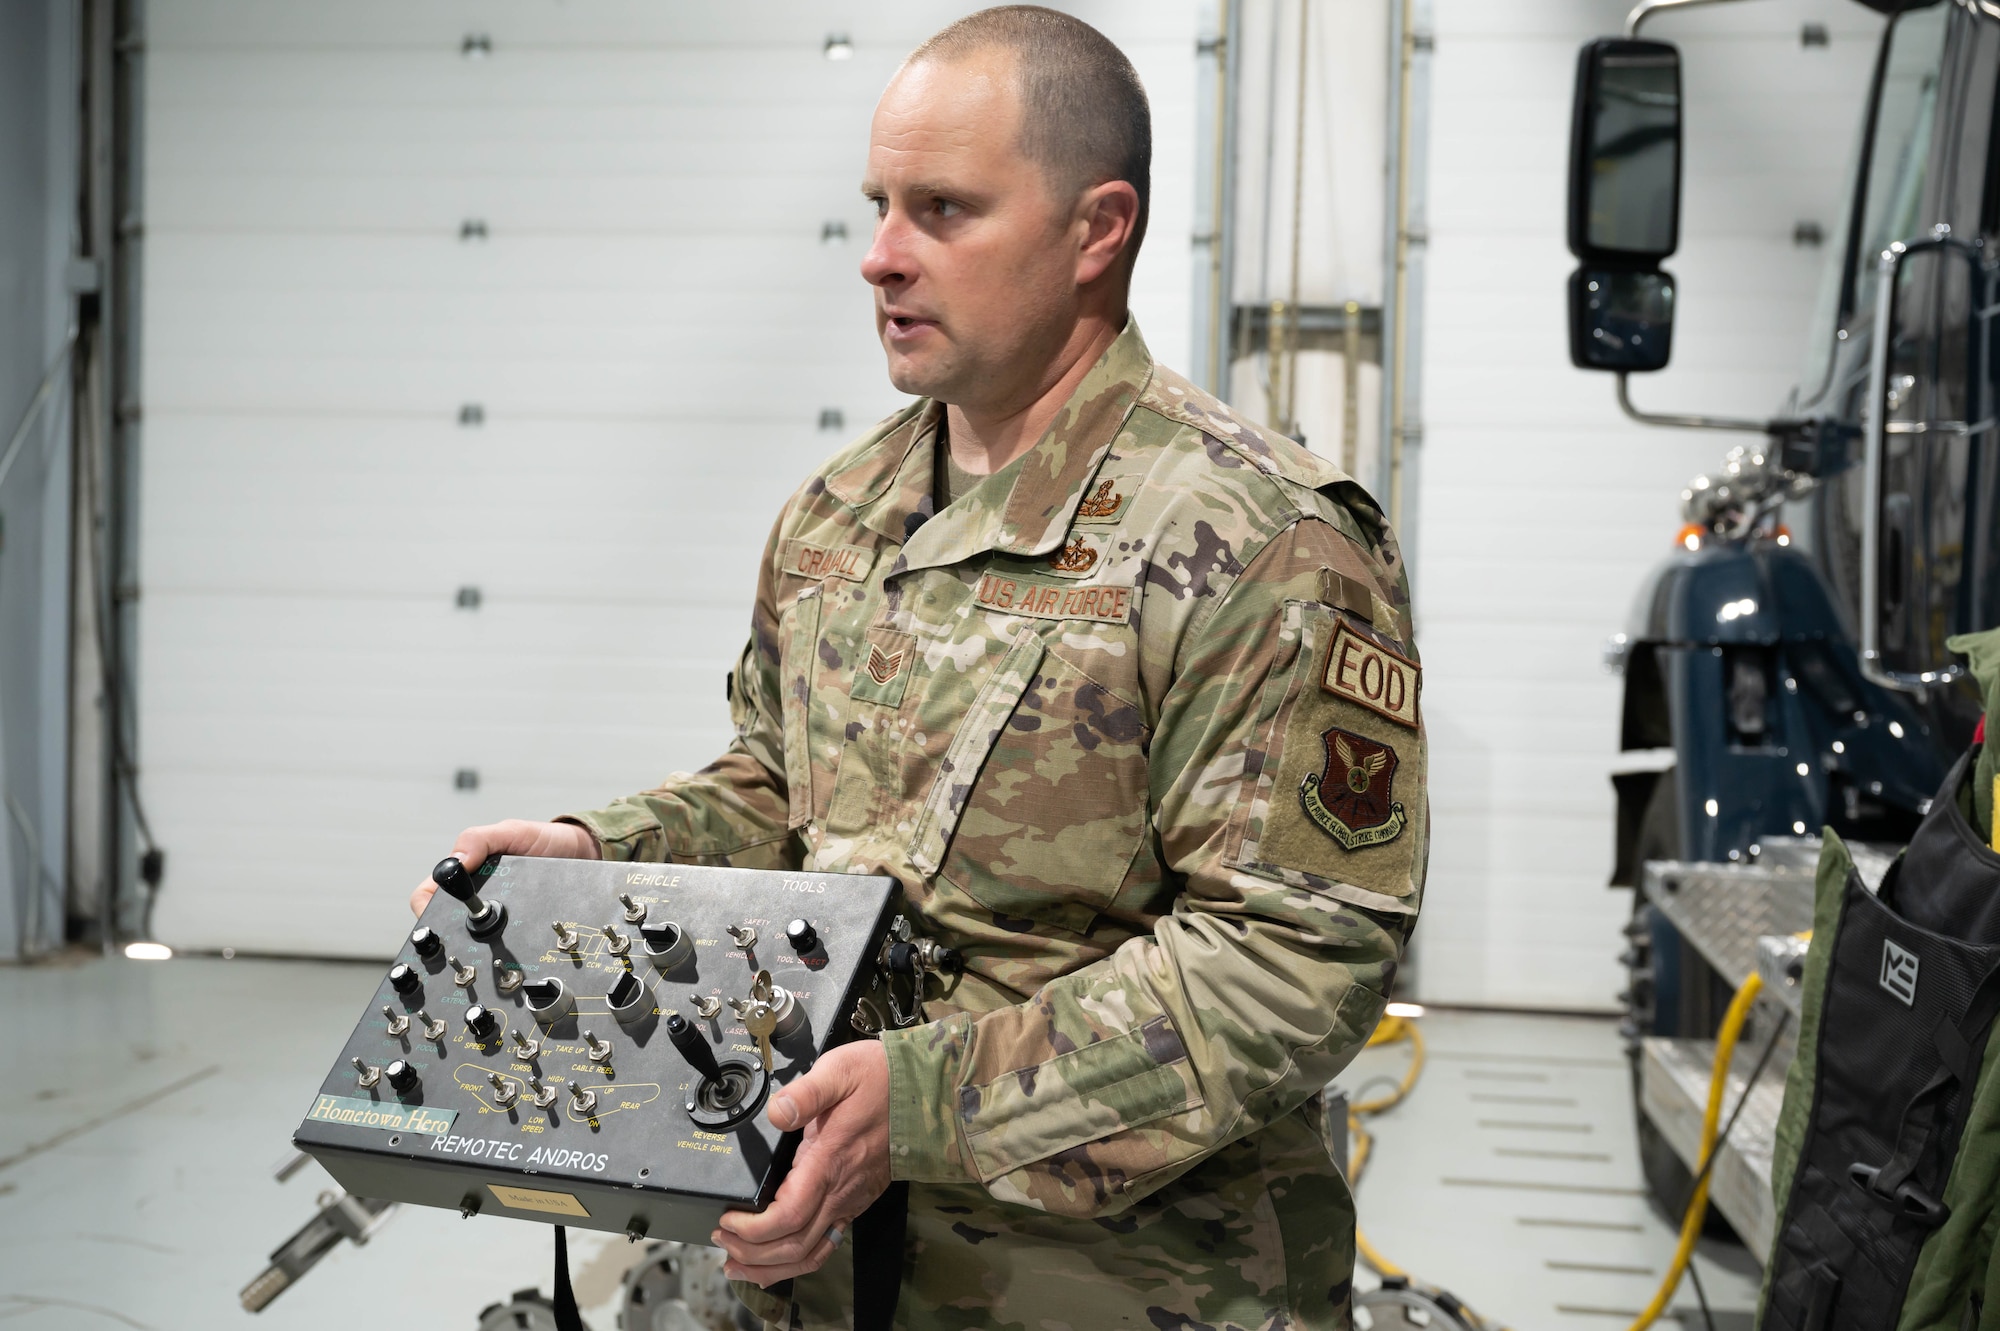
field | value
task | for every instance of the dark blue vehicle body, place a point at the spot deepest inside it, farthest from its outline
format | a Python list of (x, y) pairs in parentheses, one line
[(1714, 617)]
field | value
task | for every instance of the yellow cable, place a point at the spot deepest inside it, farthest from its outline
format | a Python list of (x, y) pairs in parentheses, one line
[(1996, 811), (1697, 1208)]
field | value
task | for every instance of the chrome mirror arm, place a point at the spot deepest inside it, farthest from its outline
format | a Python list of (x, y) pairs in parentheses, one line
[(1645, 9), (1676, 421)]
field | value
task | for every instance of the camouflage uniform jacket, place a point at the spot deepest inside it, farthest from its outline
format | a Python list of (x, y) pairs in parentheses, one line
[(1135, 725)]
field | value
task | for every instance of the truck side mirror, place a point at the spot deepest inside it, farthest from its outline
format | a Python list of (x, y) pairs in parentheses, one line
[(1620, 318), (1625, 152), (1624, 204)]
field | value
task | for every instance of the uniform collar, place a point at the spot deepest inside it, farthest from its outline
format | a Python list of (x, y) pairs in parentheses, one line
[(892, 483)]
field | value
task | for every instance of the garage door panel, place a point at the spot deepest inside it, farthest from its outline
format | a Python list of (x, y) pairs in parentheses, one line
[(612, 25), (651, 327), (764, 201)]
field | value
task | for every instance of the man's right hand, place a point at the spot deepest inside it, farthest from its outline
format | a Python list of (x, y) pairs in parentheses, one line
[(516, 836)]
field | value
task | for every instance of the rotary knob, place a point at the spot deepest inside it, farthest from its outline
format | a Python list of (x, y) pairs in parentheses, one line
[(404, 979), (481, 1020), (426, 941), (401, 1076), (801, 935)]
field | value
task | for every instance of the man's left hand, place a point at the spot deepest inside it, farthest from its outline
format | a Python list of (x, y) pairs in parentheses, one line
[(841, 1167)]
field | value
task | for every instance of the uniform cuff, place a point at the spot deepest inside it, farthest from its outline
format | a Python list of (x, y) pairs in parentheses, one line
[(925, 1145), (624, 831)]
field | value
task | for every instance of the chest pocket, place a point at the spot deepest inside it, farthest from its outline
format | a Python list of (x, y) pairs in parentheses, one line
[(1048, 794)]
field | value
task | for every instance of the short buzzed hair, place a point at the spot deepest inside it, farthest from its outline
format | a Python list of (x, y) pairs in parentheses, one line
[(1084, 116)]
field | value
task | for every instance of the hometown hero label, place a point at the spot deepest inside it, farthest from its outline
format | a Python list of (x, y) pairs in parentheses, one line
[(1040, 600), (391, 1118), (1368, 673)]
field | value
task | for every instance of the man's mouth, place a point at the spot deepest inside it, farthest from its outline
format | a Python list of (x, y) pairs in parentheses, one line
[(908, 323)]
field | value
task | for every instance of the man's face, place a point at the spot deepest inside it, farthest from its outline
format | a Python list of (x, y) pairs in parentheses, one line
[(974, 269)]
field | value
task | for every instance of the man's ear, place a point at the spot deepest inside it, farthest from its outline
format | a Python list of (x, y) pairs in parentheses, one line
[(1110, 217)]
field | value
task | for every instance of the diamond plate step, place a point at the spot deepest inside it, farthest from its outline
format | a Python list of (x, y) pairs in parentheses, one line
[(1673, 1089)]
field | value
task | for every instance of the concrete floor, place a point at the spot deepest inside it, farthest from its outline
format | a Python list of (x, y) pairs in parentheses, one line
[(1510, 1177), (147, 1103)]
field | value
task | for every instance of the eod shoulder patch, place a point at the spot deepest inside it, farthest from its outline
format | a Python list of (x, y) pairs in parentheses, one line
[(1337, 802), (1363, 671)]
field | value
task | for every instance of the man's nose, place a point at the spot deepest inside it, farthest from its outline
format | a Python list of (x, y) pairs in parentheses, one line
[(887, 260)]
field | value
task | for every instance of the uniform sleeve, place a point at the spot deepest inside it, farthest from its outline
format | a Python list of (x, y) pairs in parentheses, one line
[(1291, 799), (735, 810)]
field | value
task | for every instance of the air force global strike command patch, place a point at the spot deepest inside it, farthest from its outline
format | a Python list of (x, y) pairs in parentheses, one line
[(1350, 799)]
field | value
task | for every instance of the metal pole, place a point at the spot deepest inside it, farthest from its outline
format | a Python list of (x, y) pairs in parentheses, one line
[(1218, 220), (1291, 417)]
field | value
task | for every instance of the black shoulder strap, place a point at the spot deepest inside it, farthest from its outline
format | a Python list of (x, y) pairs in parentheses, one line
[(880, 1233), (567, 1317)]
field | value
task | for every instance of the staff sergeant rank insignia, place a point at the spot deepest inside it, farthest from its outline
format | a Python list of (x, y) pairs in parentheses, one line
[(1349, 800)]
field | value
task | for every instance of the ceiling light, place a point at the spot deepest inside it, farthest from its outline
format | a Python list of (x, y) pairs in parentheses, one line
[(1409, 1010), (148, 952), (839, 46)]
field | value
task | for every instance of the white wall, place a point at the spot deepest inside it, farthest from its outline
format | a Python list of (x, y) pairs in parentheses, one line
[(1541, 506), (652, 328)]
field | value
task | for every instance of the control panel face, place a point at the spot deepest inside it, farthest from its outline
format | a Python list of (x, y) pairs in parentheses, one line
[(594, 1043)]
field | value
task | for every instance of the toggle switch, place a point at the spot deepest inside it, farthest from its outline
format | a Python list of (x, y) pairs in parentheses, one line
[(596, 1050), (506, 1092), (706, 1006), (398, 1023), (615, 943), (693, 1046), (462, 975), (634, 912), (526, 1048), (481, 1020), (364, 1073), (484, 917), (506, 978), (426, 941), (433, 1027), (582, 1101), (541, 1092), (565, 936), (802, 936), (405, 980), (402, 1077), (742, 935)]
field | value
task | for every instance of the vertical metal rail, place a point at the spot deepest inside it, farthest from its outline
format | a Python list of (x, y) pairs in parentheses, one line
[(1407, 235), (128, 818), (1214, 298)]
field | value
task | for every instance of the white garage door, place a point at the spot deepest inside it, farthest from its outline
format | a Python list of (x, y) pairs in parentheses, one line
[(523, 304), (1542, 507)]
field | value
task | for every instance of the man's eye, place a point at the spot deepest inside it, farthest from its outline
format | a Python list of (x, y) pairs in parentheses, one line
[(881, 206), (946, 208)]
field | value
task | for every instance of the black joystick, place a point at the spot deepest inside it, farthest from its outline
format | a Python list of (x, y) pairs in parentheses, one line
[(801, 935), (694, 1047), (485, 917), (404, 979), (481, 1020), (426, 941), (401, 1076)]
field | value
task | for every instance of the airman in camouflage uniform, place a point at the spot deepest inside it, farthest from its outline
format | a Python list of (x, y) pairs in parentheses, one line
[(1135, 723)]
